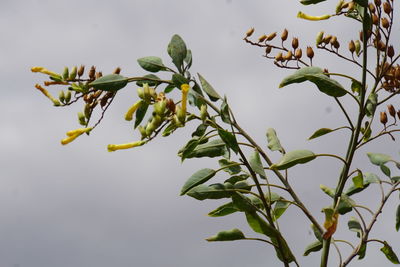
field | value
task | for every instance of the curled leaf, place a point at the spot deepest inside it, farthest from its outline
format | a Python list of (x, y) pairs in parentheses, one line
[(293, 158)]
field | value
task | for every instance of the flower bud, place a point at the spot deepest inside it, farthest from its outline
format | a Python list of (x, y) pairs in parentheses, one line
[(390, 51), (319, 38), (295, 42), (150, 127), (72, 74), (67, 96), (387, 8), (383, 118), (81, 70), (142, 131), (262, 38), (65, 73), (81, 118), (391, 110), (250, 32), (132, 109), (140, 92), (160, 107), (298, 54), (87, 111), (352, 46), (203, 112), (271, 36), (112, 147), (146, 93), (61, 96), (284, 35), (180, 114), (385, 23), (358, 47), (310, 52)]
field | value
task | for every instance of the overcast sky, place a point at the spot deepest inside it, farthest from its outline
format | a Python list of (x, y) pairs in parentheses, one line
[(80, 206)]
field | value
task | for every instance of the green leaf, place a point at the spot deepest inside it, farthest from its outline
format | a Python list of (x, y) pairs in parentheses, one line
[(260, 226), (345, 204), (372, 101), (230, 235), (237, 178), (110, 82), (210, 91), (152, 64), (214, 191), (197, 178), (188, 59), (293, 158), (169, 88), (309, 2), (225, 117), (223, 210), (356, 86), (280, 207), (177, 51), (235, 169), (200, 130), (385, 170), (140, 113), (398, 218), (358, 180), (256, 165), (395, 179), (369, 178), (243, 185), (320, 132), (362, 251), (313, 247), (363, 3), (150, 79), (273, 142), (315, 75), (242, 202), (389, 253), (211, 149), (229, 139), (378, 158), (355, 226), (327, 190), (178, 80), (169, 129), (317, 233)]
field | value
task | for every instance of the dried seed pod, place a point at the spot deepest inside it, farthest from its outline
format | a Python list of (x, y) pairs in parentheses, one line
[(250, 32), (117, 70), (390, 51), (81, 70), (310, 52), (383, 118), (352, 46), (333, 40), (351, 5), (279, 57), (385, 23), (284, 35), (99, 74), (97, 93), (381, 46), (377, 2), (295, 42), (92, 72), (397, 73), (372, 7), (375, 19), (387, 7), (288, 56), (298, 54), (327, 39), (271, 36), (262, 38), (391, 110), (268, 50), (171, 105), (398, 114), (336, 44)]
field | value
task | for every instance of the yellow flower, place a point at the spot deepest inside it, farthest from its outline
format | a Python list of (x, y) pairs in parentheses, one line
[(112, 148), (45, 71), (72, 135), (308, 17), (185, 89), (131, 111), (48, 95)]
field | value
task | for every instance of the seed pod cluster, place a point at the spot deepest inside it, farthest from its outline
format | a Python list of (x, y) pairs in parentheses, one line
[(391, 76), (392, 112)]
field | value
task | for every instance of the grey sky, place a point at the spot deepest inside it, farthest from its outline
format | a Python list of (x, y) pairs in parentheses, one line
[(81, 206)]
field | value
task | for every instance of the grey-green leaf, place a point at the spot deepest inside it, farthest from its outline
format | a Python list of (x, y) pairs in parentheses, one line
[(316, 75), (355, 226), (229, 139), (230, 167), (309, 2), (320, 132), (293, 158), (256, 165), (280, 208), (260, 226), (210, 91), (368, 178), (177, 51), (389, 253), (378, 158), (140, 113), (230, 235), (152, 64), (197, 178), (223, 210), (398, 218), (214, 191), (273, 142), (211, 149), (110, 82), (313, 247), (372, 101)]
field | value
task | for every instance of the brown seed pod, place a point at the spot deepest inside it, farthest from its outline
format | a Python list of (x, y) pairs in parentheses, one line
[(387, 7), (117, 70), (390, 51), (81, 70), (284, 35), (397, 73), (391, 110), (271, 36), (171, 105), (385, 23), (375, 19), (333, 40), (381, 46), (377, 2), (383, 118), (97, 93), (295, 42), (99, 74), (92, 73), (352, 46), (327, 39), (398, 114), (250, 32), (372, 7), (298, 54), (268, 50), (288, 56), (310, 52), (262, 38), (336, 44), (279, 57)]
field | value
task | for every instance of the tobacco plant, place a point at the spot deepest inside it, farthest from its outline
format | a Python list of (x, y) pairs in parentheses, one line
[(247, 178)]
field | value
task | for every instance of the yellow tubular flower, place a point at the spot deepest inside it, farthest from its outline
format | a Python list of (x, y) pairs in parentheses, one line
[(308, 17), (72, 135), (131, 111), (44, 70), (112, 148), (47, 94), (185, 89)]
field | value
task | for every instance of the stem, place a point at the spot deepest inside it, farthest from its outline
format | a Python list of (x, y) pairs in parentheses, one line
[(354, 137)]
